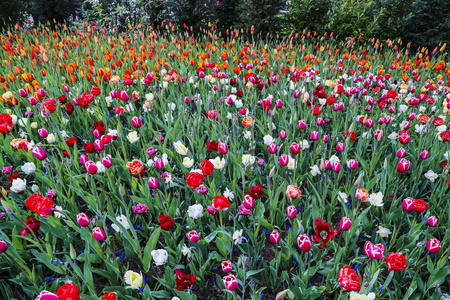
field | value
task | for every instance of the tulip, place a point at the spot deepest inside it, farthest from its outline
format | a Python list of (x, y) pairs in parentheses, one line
[(408, 204), (113, 94), (96, 133), (211, 210), (401, 153), (248, 202), (193, 236), (301, 124), (124, 96), (136, 122), (230, 282), (387, 119), (83, 159), (226, 266), (83, 219), (325, 138), (275, 237), (352, 164), (159, 163), (336, 167), (296, 94), (91, 167), (223, 148), (295, 148), (403, 165), (341, 105), (107, 161), (153, 183), (304, 242), (279, 103), (335, 107), (314, 135), (41, 93), (99, 145), (98, 234), (345, 223), (283, 134), (424, 154), (273, 148), (319, 121), (22, 93), (46, 295), (32, 101), (434, 246), (340, 147), (432, 221), (43, 133), (379, 134), (284, 160), (291, 212), (39, 153), (293, 192), (3, 246), (327, 164)]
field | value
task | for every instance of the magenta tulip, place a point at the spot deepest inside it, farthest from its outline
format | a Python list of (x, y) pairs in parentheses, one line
[(98, 234), (275, 237), (83, 220), (304, 242)]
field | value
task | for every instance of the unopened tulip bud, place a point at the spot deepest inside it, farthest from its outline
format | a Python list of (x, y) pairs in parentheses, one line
[(304, 242), (3, 246), (291, 212), (408, 204), (193, 236), (284, 160), (22, 93), (295, 148), (39, 153), (98, 234), (99, 145), (340, 147), (227, 266), (248, 202), (401, 153), (301, 124), (230, 282), (279, 103), (223, 148), (273, 148), (325, 138), (153, 183), (136, 122), (275, 237), (314, 135), (432, 221), (327, 164), (43, 133), (283, 134), (107, 161), (91, 167), (424, 154), (83, 220), (345, 223), (211, 209), (434, 246)]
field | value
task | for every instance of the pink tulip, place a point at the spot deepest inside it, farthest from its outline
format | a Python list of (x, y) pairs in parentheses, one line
[(43, 133), (408, 204), (403, 165), (432, 221), (98, 234), (434, 246), (314, 135), (379, 134), (275, 237), (325, 138), (401, 153), (124, 96), (319, 121), (113, 94), (283, 134), (159, 163), (336, 167), (340, 147), (193, 236), (227, 266), (153, 183), (424, 154), (345, 223), (32, 101), (248, 202), (22, 93), (296, 94), (41, 93), (279, 103), (352, 164), (387, 119), (83, 220), (3, 246), (273, 148), (284, 160), (301, 124), (91, 167), (39, 153), (96, 133), (375, 251), (211, 210), (223, 148), (83, 159), (46, 295), (230, 282), (99, 146), (136, 122), (327, 164), (291, 212), (107, 161), (304, 242), (295, 148)]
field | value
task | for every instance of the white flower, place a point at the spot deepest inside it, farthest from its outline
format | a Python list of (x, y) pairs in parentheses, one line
[(150, 163), (23, 122), (237, 237), (113, 132), (100, 167), (133, 137), (292, 163), (166, 117), (439, 128), (64, 134), (365, 134), (273, 126), (195, 211), (180, 148), (35, 188), (268, 139), (122, 219), (446, 155), (159, 257), (51, 138), (133, 279), (422, 108), (165, 159), (34, 125), (229, 116), (376, 199), (186, 251), (219, 163), (383, 232), (28, 168), (422, 128), (402, 108), (305, 144), (393, 136), (247, 135), (188, 162), (248, 159), (229, 194), (149, 96), (172, 106), (358, 296), (315, 170), (238, 103), (334, 159), (18, 185), (342, 197), (129, 107), (108, 100), (57, 213), (431, 176)]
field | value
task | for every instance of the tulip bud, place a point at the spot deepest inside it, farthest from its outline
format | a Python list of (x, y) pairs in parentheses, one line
[(91, 167), (432, 221), (340, 147), (319, 121), (248, 202), (325, 138), (153, 183), (434, 246), (223, 148), (314, 135), (322, 165), (83, 159), (296, 94), (275, 237), (99, 145), (284, 160), (230, 282), (345, 223), (424, 154), (46, 295), (295, 148), (279, 103), (283, 134), (352, 164), (107, 161), (273, 148), (98, 234), (408, 204), (291, 212), (301, 124), (124, 96), (136, 122), (159, 163), (43, 133), (304, 242), (3, 246), (32, 101), (403, 165), (327, 164), (226, 266), (193, 236), (83, 219), (336, 167), (401, 153), (22, 93), (211, 210), (41, 93), (39, 153)]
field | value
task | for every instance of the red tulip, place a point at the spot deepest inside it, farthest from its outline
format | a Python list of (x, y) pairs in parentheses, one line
[(345, 223), (136, 122), (349, 279), (434, 245), (91, 167), (39, 153), (275, 237), (98, 234), (83, 220), (403, 165), (304, 242), (284, 160)]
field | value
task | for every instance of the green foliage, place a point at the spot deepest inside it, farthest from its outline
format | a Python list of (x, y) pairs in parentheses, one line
[(11, 12), (309, 15), (264, 15)]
